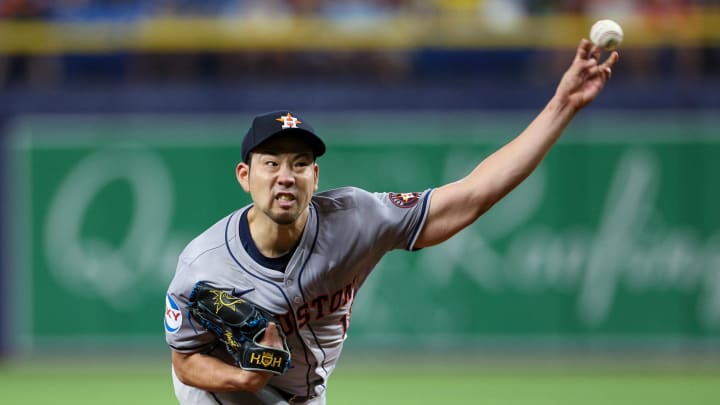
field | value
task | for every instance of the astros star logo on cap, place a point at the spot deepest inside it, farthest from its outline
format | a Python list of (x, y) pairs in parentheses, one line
[(288, 121)]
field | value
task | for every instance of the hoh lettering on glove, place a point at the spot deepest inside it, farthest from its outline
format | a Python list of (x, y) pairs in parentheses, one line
[(241, 326)]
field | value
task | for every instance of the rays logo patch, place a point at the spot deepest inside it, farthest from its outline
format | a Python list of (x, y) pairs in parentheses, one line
[(404, 200), (173, 316)]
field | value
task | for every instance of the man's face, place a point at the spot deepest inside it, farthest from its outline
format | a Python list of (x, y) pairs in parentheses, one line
[(281, 178)]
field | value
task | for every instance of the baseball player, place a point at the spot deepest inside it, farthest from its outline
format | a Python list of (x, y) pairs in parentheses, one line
[(302, 255)]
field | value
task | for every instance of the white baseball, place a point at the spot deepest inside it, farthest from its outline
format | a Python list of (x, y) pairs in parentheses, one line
[(606, 34)]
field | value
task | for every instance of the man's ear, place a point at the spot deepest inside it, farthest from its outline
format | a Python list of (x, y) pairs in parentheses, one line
[(242, 174), (316, 169)]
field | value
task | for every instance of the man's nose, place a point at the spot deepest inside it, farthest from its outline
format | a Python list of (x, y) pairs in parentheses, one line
[(286, 176)]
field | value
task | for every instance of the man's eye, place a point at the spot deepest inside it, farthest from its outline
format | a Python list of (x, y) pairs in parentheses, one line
[(271, 163)]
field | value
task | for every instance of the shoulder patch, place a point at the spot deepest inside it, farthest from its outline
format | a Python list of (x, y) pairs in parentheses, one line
[(404, 200), (173, 316)]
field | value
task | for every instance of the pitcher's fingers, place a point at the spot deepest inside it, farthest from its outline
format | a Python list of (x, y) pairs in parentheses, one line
[(583, 49), (611, 60), (272, 336)]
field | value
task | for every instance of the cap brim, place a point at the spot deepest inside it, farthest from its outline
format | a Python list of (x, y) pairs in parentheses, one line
[(316, 144)]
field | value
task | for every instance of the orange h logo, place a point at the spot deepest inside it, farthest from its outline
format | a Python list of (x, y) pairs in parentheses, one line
[(288, 121)]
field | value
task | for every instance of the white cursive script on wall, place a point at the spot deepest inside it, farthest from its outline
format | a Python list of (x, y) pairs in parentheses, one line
[(632, 246)]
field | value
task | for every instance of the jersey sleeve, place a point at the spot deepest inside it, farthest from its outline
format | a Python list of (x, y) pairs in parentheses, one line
[(398, 217), (181, 333)]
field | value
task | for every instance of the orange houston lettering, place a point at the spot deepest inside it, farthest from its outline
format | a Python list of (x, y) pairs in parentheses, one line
[(349, 293), (303, 316), (318, 304), (322, 305), (286, 323), (336, 301)]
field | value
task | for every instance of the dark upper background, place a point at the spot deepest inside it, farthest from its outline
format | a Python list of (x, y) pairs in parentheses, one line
[(243, 55)]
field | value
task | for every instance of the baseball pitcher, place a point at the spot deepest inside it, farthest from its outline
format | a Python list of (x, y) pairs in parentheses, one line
[(261, 302)]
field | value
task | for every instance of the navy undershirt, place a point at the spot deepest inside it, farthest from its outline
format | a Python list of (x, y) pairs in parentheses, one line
[(275, 263)]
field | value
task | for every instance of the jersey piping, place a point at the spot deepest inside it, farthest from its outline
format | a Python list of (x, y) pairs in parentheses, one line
[(275, 263), (421, 224), (271, 283), (302, 292)]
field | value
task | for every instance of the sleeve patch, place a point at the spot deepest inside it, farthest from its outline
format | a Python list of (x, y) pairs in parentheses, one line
[(404, 200), (173, 316)]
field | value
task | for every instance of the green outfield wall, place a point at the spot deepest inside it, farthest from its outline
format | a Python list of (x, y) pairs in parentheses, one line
[(615, 239)]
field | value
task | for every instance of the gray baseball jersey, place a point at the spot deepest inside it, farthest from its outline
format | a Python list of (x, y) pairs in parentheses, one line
[(347, 233)]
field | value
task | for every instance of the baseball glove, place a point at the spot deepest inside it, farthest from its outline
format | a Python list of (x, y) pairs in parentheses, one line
[(240, 325)]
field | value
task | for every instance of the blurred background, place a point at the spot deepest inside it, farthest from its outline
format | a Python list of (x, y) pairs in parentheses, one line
[(120, 126)]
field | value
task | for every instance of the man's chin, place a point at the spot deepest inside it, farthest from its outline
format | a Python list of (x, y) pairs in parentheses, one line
[(285, 218)]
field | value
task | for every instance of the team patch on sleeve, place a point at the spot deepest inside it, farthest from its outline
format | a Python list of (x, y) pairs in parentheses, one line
[(173, 316), (404, 200)]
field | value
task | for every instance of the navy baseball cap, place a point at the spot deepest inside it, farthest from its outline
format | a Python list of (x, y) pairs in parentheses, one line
[(267, 125)]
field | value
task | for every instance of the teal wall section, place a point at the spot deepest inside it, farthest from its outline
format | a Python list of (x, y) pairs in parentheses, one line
[(615, 238)]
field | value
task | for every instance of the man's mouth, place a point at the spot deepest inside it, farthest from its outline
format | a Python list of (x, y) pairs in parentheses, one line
[(285, 200)]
